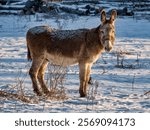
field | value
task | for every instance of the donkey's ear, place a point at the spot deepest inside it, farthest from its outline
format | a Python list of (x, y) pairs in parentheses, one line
[(103, 16), (113, 15)]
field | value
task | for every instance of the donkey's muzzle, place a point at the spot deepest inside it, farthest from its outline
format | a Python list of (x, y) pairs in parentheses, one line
[(108, 49), (108, 46)]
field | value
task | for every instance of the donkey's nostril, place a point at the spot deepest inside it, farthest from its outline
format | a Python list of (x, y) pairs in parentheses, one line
[(108, 49)]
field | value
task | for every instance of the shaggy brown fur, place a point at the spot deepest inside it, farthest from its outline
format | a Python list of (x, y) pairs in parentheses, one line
[(68, 47)]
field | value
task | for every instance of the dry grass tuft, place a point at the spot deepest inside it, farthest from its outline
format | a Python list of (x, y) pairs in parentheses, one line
[(17, 91)]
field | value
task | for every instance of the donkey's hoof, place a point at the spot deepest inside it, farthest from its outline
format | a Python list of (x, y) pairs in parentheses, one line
[(38, 93), (90, 81), (83, 94), (45, 90), (47, 93)]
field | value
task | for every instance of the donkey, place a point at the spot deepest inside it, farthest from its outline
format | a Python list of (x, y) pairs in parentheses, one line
[(68, 47)]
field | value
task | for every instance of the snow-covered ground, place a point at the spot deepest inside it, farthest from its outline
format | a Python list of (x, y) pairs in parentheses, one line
[(120, 88)]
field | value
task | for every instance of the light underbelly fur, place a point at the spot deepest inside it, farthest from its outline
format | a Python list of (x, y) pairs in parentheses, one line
[(61, 60)]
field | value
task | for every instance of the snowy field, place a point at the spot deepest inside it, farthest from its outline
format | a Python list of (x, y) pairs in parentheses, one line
[(121, 78)]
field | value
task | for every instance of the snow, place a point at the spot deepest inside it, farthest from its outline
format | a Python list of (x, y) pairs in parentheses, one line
[(40, 29), (118, 86)]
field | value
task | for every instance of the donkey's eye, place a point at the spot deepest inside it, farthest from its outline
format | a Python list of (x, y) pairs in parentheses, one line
[(113, 31), (102, 31)]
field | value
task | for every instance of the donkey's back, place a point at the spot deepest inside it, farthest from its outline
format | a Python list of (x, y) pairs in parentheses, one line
[(60, 45)]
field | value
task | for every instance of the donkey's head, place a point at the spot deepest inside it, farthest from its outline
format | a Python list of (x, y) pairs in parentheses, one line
[(107, 30)]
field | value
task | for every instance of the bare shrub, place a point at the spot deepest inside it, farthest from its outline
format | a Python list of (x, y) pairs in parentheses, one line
[(92, 93), (55, 80), (147, 93), (93, 89), (120, 59), (122, 62), (133, 81)]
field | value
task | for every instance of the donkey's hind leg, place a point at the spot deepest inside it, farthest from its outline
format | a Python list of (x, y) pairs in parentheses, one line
[(41, 77), (33, 72)]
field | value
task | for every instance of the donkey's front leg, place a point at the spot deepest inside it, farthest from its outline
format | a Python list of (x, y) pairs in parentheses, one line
[(84, 73), (89, 79)]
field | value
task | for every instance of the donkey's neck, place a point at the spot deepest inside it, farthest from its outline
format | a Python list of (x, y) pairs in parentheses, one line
[(93, 38)]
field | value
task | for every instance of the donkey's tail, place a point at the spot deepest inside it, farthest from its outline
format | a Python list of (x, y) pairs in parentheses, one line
[(29, 55), (28, 49)]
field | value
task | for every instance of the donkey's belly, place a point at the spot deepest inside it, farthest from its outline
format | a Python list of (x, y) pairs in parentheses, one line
[(61, 60)]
